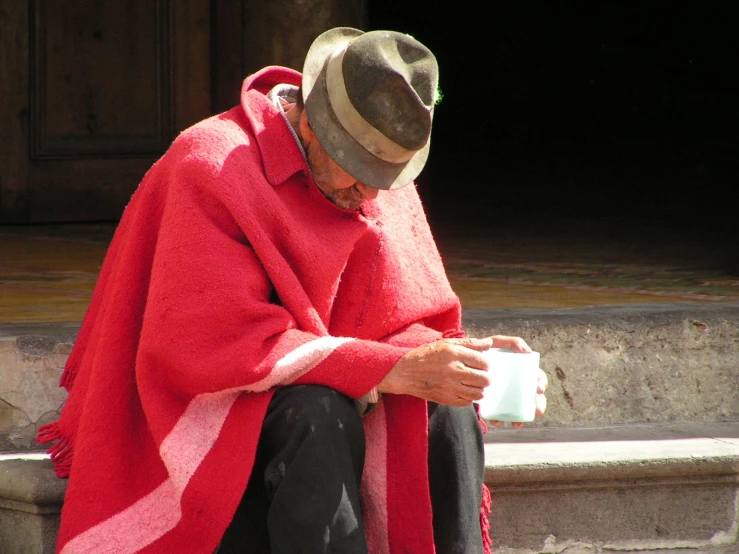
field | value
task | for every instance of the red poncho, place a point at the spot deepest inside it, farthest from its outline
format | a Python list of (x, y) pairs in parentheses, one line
[(229, 274)]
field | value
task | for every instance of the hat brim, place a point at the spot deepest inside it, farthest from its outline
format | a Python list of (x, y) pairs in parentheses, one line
[(335, 140)]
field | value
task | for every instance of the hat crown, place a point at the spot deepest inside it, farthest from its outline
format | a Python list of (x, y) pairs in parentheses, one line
[(370, 98), (391, 80)]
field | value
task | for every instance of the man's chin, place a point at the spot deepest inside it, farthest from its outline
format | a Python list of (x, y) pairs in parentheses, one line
[(350, 206), (345, 203)]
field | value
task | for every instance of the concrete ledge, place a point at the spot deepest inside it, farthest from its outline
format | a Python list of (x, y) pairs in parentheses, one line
[(31, 483), (642, 363), (31, 497), (607, 365), (606, 469), (638, 488)]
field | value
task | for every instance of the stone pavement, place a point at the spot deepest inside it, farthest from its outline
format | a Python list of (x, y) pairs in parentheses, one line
[(567, 263), (47, 273)]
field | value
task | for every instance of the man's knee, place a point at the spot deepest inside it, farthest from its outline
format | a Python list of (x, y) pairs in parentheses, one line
[(314, 401), (315, 410), (461, 419), (455, 436)]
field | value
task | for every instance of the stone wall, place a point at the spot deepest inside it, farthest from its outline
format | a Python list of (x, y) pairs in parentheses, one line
[(32, 359), (606, 365), (642, 363)]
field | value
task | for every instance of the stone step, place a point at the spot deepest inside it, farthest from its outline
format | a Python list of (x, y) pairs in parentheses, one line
[(636, 488), (31, 497), (615, 365), (589, 477), (607, 365)]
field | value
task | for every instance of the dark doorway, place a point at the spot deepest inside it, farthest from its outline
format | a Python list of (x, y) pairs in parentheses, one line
[(620, 112)]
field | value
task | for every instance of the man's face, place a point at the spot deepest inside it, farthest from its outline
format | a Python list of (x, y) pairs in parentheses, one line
[(336, 184)]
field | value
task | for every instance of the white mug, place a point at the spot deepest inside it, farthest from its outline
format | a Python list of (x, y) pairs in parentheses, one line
[(511, 395)]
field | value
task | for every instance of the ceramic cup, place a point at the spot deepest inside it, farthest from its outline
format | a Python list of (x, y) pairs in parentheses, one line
[(511, 395)]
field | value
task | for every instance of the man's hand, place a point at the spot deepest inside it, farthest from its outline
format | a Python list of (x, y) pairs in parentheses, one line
[(452, 372), (449, 371), (517, 344)]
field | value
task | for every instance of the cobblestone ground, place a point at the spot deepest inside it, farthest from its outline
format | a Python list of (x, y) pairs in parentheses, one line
[(47, 273), (566, 264)]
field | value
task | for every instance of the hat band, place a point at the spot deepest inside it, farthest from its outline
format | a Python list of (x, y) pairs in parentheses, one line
[(359, 128)]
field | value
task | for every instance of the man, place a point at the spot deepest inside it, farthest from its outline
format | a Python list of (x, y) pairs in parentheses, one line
[(273, 312)]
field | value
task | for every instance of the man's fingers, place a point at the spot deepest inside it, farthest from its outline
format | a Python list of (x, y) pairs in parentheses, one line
[(541, 404), (543, 382), (474, 378), (471, 358), (517, 344), (514, 424), (473, 343), (470, 393)]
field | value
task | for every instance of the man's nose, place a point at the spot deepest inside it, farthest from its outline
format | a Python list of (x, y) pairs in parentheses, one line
[(370, 193)]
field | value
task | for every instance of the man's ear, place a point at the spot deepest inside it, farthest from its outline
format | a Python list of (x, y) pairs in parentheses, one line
[(306, 131)]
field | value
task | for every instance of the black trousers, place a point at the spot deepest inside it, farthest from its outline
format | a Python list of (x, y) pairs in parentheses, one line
[(303, 495)]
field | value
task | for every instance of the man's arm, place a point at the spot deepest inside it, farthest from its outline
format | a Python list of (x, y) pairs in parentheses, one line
[(413, 335), (448, 371), (209, 324)]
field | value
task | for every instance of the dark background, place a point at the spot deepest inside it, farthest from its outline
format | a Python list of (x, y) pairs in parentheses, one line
[(620, 112)]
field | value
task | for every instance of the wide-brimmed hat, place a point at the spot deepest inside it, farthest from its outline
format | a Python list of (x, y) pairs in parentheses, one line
[(370, 101)]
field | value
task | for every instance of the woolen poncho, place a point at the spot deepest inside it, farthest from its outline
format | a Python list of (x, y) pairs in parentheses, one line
[(229, 274)]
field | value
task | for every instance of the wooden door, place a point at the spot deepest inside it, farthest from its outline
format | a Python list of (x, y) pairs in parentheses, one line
[(92, 92)]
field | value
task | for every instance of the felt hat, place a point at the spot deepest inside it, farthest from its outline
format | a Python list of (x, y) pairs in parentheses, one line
[(370, 101)]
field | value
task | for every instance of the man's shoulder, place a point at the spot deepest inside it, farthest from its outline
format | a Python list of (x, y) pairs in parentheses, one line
[(220, 133), (212, 155), (213, 145)]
